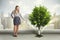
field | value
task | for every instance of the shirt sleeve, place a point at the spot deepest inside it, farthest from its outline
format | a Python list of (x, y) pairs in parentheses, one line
[(12, 15), (21, 16)]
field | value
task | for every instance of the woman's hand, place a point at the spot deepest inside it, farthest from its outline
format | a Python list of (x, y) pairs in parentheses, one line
[(24, 20)]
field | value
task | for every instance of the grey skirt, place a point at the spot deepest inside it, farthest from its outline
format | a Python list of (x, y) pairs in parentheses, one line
[(16, 21)]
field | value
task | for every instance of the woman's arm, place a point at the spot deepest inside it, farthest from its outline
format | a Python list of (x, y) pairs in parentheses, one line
[(12, 15), (22, 17)]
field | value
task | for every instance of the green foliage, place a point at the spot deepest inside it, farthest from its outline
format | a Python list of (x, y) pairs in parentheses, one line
[(40, 16)]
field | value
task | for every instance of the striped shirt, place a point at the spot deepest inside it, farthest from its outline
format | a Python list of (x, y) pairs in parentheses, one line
[(13, 14)]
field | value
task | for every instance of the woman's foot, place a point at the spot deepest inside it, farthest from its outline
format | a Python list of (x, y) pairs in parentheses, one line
[(15, 35)]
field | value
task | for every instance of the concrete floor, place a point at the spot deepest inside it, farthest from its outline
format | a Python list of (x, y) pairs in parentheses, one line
[(30, 37)]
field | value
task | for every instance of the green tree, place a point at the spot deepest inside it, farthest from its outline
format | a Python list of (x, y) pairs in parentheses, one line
[(39, 17)]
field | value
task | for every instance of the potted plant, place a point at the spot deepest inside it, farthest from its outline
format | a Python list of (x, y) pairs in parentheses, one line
[(40, 16)]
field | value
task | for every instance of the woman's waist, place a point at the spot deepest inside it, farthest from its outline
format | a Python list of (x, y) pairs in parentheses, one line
[(16, 17)]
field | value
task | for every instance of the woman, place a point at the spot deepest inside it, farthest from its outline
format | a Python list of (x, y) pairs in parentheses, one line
[(16, 19)]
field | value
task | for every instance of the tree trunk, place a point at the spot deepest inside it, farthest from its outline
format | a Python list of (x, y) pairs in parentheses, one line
[(39, 31)]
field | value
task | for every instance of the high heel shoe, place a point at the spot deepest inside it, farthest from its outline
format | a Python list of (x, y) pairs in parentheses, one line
[(15, 35)]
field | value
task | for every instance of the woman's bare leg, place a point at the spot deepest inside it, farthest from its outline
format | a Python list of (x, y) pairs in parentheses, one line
[(15, 29)]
